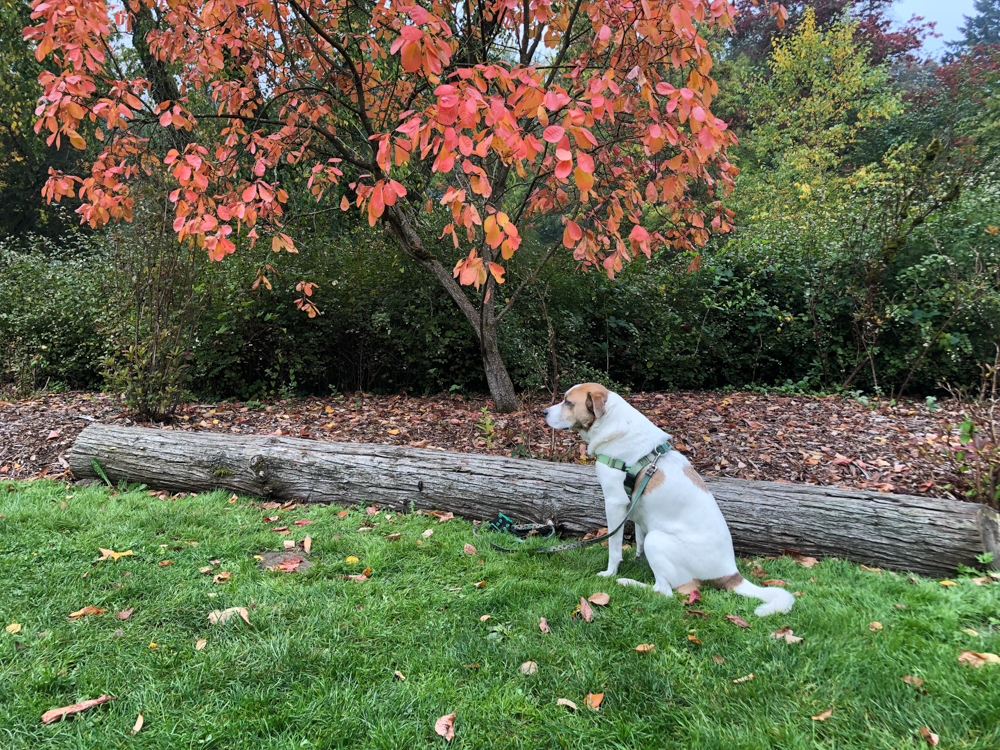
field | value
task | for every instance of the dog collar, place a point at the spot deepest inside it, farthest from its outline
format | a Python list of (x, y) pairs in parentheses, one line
[(633, 470)]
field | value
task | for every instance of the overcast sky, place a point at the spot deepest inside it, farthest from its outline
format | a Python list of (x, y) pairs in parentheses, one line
[(947, 13)]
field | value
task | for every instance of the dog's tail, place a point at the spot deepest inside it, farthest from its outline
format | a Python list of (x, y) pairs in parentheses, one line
[(775, 599)]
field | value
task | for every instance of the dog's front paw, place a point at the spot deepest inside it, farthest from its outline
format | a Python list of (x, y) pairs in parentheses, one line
[(638, 555), (608, 573)]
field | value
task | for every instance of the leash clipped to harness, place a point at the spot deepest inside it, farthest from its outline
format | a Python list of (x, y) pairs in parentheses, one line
[(637, 476)]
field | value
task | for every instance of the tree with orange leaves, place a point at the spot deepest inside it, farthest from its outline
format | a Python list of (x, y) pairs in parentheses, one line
[(481, 116)]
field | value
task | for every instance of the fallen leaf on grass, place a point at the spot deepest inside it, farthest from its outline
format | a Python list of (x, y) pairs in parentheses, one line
[(393, 537), (645, 648), (87, 611), (221, 577), (351, 559), (872, 570), (599, 598), (288, 544), (400, 676), (566, 702), (164, 563), (948, 583), (697, 612), (106, 553), (694, 596), (529, 667), (593, 700), (774, 582), (738, 680), (543, 625), (220, 617), (303, 522), (343, 513), (969, 631), (202, 642), (445, 517), (737, 620), (484, 618), (786, 634), (717, 659), (280, 529), (911, 680), (371, 510), (823, 716), (125, 613), (288, 565), (977, 659), (874, 626), (757, 571), (804, 560), (307, 544), (694, 639), (469, 549), (427, 533), (14, 628), (138, 724), (927, 734), (58, 713), (980, 581), (585, 610), (362, 576), (445, 726)]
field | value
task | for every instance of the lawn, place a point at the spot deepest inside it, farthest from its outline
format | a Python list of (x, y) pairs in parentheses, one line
[(315, 667)]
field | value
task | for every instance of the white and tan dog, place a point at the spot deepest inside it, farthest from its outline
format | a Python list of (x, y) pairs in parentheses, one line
[(678, 526)]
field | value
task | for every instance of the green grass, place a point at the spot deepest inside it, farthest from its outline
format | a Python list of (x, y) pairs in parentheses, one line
[(314, 669)]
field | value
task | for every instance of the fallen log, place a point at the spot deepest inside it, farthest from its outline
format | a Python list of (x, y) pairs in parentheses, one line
[(918, 534)]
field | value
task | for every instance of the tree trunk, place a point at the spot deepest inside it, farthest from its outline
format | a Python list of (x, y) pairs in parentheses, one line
[(483, 321), (918, 534)]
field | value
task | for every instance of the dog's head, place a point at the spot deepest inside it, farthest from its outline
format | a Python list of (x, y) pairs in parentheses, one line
[(581, 406)]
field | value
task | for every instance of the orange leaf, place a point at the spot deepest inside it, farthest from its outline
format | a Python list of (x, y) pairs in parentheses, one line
[(90, 610), (586, 612), (593, 700)]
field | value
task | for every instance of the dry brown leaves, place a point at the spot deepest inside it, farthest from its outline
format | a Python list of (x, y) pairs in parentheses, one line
[(445, 726), (566, 702), (585, 610), (645, 648), (600, 598), (106, 553), (738, 680), (125, 613), (528, 668), (849, 444), (803, 560), (977, 659), (823, 715), (543, 625), (786, 634), (469, 549), (58, 713), (927, 734), (221, 617), (738, 621)]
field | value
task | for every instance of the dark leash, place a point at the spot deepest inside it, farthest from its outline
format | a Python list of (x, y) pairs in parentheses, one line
[(637, 476)]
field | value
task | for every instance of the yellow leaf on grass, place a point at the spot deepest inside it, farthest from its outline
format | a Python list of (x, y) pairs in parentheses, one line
[(738, 680), (969, 631), (593, 700), (307, 544), (875, 626), (400, 676), (351, 559), (106, 553), (823, 716), (13, 628), (694, 639), (200, 645), (645, 648), (948, 583)]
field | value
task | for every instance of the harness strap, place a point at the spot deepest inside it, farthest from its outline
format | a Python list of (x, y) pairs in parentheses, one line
[(639, 476)]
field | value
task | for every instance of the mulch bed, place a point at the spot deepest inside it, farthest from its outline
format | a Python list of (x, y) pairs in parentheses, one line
[(827, 441)]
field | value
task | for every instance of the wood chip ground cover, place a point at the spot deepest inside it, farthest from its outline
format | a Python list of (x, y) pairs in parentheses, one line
[(316, 661), (828, 440)]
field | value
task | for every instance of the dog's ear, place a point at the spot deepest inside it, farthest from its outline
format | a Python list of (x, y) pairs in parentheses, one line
[(595, 403)]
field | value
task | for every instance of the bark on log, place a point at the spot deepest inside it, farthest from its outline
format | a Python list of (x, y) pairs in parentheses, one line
[(918, 534)]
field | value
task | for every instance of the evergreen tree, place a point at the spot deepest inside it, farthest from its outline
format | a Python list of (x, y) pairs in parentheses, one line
[(982, 29)]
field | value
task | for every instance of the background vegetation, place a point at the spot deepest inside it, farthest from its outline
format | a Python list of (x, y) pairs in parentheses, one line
[(866, 254)]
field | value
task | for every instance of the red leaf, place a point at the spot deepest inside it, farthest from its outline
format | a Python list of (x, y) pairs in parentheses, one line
[(694, 596)]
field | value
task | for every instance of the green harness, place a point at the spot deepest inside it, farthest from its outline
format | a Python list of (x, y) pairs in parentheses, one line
[(633, 484)]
